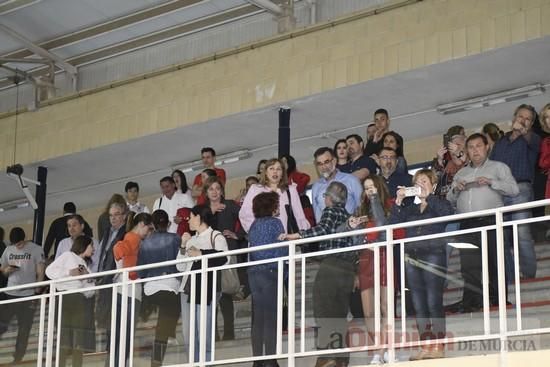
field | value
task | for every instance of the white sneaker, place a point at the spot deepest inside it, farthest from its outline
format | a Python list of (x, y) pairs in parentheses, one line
[(377, 360)]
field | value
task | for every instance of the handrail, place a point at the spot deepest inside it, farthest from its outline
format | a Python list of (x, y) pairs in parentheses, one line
[(303, 241), (391, 344)]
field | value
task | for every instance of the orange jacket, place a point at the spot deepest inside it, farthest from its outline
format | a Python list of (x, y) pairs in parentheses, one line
[(128, 250)]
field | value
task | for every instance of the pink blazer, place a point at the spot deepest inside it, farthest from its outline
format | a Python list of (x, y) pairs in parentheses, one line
[(247, 216)]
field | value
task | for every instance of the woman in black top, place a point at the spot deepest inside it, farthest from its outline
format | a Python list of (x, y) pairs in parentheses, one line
[(226, 220)]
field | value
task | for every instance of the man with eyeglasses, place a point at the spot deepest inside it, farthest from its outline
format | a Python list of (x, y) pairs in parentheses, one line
[(325, 161)]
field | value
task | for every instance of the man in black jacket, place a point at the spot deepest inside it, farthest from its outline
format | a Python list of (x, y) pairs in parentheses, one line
[(58, 229)]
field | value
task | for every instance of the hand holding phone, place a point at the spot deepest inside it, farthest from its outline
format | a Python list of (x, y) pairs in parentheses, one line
[(412, 191)]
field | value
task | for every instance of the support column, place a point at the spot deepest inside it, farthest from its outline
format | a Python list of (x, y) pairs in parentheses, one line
[(284, 131), (40, 212)]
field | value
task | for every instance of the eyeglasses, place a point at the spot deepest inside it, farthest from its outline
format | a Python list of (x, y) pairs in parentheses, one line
[(387, 157), (328, 161)]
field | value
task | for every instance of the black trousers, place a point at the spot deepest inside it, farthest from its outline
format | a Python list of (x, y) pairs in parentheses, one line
[(24, 312), (168, 314), (331, 300), (471, 266)]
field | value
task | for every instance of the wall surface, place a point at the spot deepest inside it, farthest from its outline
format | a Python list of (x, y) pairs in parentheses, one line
[(317, 59)]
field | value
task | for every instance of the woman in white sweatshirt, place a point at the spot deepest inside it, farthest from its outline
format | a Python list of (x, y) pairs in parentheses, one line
[(73, 316)]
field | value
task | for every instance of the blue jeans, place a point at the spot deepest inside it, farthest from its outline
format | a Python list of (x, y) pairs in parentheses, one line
[(263, 288), (527, 255), (185, 317), (426, 275)]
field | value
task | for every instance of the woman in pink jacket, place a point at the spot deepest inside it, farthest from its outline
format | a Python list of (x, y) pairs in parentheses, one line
[(274, 178)]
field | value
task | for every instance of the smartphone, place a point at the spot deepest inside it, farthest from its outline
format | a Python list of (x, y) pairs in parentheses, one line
[(471, 185), (446, 140), (412, 191)]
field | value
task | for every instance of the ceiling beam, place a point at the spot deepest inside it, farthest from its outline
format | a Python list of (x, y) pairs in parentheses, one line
[(268, 6), (108, 26), (181, 30), (14, 5), (71, 69)]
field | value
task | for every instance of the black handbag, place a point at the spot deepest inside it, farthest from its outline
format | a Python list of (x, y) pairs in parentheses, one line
[(291, 224)]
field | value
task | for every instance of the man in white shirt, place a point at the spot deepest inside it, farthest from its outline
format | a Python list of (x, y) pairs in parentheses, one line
[(171, 201)]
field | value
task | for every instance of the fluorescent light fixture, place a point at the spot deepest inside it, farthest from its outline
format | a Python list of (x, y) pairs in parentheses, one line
[(221, 160), (491, 99), (462, 245)]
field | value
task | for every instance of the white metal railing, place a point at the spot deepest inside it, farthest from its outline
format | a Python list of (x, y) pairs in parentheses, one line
[(55, 298)]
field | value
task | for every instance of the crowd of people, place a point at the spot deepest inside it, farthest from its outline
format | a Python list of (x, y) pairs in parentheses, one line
[(363, 183)]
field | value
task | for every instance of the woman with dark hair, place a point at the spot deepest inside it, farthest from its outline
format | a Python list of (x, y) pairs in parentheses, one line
[(74, 331), (493, 134), (181, 184), (265, 230), (125, 253), (294, 176), (393, 140), (226, 220), (205, 241), (161, 246), (275, 179), (341, 152), (375, 207), (425, 261)]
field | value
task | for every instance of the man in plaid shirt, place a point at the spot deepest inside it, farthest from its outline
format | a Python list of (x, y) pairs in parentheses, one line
[(335, 279)]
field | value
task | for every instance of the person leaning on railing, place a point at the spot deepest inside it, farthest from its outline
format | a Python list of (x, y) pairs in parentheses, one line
[(335, 279), (125, 253), (425, 261), (205, 241), (373, 212), (163, 294), (74, 327), (265, 230)]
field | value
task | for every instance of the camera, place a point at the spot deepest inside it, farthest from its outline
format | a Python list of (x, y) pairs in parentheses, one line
[(412, 191)]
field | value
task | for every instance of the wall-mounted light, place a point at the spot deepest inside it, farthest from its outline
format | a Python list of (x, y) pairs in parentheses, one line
[(491, 99)]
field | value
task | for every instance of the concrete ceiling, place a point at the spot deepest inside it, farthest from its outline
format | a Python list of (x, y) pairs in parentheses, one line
[(89, 178)]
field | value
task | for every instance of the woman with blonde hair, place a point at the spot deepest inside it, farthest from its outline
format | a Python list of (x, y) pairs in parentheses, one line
[(425, 261), (274, 178)]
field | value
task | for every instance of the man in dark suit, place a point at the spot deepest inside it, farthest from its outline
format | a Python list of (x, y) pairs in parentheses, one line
[(58, 229), (117, 218)]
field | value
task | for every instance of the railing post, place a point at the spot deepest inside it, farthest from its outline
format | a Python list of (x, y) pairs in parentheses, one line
[(291, 302), (503, 322), (390, 295), (41, 332), (485, 282), (280, 291), (203, 308), (51, 320), (123, 322)]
